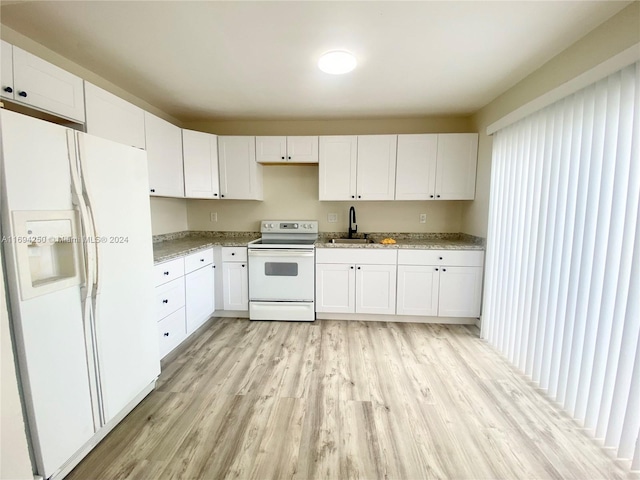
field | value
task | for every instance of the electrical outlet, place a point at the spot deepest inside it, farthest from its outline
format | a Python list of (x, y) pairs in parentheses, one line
[(332, 218), (214, 216), (423, 218)]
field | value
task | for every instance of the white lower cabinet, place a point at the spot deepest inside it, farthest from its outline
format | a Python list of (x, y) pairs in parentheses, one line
[(199, 288), (356, 281), (184, 297), (235, 275), (440, 283)]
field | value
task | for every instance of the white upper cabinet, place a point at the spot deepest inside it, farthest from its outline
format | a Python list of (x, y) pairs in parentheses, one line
[(111, 117), (200, 154), (416, 167), (164, 153), (6, 70), (44, 86), (456, 166), (376, 172), (299, 149), (337, 169), (240, 174)]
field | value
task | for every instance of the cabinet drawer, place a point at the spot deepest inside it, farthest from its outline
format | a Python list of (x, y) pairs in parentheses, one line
[(171, 332), (167, 271), (373, 256), (234, 254), (198, 260), (169, 297), (462, 258)]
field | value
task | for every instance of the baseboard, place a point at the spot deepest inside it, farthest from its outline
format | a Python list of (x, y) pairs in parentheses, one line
[(231, 313), (396, 318)]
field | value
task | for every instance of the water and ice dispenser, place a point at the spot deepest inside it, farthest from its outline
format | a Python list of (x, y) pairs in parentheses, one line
[(48, 250)]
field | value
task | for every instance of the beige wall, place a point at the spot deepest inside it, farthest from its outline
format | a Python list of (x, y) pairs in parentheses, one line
[(27, 44), (617, 34), (291, 191), (14, 452), (168, 215)]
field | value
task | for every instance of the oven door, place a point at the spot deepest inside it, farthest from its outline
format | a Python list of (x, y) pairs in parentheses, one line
[(282, 274)]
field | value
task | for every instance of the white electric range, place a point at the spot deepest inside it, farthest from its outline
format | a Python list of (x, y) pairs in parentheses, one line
[(282, 271)]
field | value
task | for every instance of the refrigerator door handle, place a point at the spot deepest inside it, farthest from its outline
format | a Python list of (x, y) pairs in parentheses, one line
[(87, 298)]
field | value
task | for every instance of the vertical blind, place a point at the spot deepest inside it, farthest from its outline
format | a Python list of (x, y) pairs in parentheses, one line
[(562, 285)]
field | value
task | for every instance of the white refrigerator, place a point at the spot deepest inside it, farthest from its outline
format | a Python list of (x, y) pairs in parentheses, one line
[(76, 231)]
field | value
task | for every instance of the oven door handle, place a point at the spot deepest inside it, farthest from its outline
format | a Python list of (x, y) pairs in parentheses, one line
[(281, 252)]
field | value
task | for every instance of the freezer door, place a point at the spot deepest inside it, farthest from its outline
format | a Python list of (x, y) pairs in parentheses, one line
[(116, 182), (49, 330)]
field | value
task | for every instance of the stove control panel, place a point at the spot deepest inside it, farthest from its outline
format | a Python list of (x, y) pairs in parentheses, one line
[(290, 226)]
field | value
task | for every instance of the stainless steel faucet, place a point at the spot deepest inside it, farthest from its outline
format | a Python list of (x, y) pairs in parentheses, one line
[(352, 222)]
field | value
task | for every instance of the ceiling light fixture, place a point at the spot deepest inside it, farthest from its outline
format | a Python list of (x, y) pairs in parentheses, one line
[(337, 62)]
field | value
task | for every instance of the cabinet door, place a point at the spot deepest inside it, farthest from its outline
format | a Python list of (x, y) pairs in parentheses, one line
[(111, 117), (460, 291), (376, 167), (271, 149), (417, 290), (164, 153), (200, 155), (171, 332), (44, 86), (302, 149), (235, 286), (376, 289), (416, 167), (456, 166), (335, 288), (6, 70), (240, 174), (337, 169), (199, 299)]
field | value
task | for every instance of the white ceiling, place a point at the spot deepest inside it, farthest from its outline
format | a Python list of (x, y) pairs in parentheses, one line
[(241, 60)]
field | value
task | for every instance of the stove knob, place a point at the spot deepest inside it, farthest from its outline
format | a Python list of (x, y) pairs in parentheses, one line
[(266, 225), (295, 225), (271, 225)]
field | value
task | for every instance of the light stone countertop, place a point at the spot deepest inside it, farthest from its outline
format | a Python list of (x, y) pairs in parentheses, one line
[(174, 245), (170, 246)]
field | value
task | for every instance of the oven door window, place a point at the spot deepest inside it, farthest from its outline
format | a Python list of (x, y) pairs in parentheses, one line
[(281, 269)]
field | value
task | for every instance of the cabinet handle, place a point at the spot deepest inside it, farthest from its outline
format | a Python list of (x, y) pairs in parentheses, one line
[(359, 196), (438, 196), (153, 190), (444, 269), (166, 273), (221, 196), (289, 158), (439, 258), (202, 259), (243, 265), (436, 269), (351, 268), (165, 301), (282, 158), (430, 196), (8, 89), (353, 196), (358, 268), (22, 94), (215, 194), (233, 253), (166, 334)]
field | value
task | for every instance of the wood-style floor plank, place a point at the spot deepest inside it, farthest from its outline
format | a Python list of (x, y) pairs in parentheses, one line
[(343, 400)]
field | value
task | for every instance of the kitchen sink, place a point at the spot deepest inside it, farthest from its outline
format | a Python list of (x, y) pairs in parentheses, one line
[(351, 240)]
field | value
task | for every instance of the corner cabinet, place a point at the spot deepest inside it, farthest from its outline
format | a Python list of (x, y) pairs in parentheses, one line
[(296, 149), (200, 155), (240, 174), (32, 81), (164, 154), (113, 118)]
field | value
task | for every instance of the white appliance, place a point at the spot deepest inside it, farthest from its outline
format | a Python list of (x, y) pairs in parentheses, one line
[(76, 231), (282, 271)]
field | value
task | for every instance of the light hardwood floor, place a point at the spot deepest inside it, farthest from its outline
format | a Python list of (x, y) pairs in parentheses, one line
[(343, 400)]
